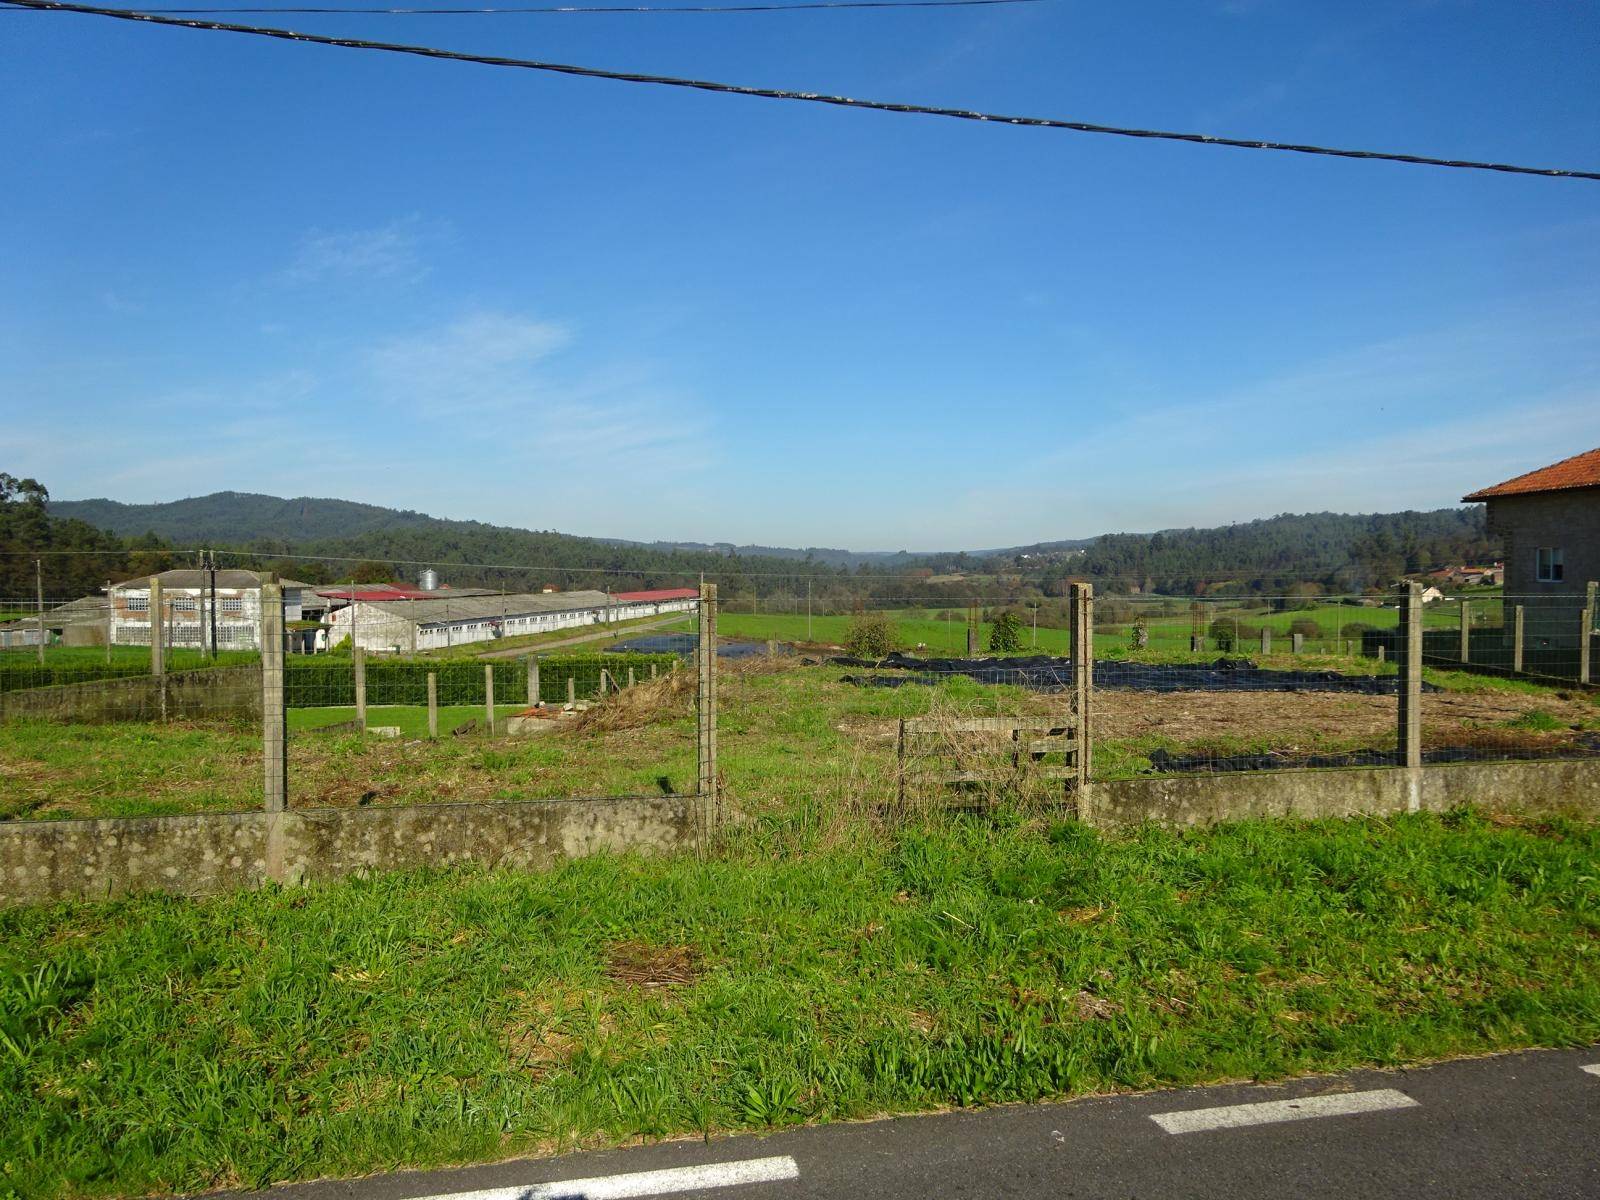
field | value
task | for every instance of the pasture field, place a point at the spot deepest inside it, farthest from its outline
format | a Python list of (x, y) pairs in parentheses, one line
[(1338, 623), (790, 736)]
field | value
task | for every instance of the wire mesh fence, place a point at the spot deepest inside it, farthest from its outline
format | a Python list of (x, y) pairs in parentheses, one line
[(132, 702)]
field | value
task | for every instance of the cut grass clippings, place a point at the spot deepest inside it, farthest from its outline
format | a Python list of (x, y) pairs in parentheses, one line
[(164, 1045)]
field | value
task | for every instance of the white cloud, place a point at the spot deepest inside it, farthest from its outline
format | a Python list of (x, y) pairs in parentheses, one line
[(390, 252)]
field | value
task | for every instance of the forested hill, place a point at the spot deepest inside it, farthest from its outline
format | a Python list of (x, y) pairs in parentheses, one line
[(1340, 551), (322, 540), (382, 543)]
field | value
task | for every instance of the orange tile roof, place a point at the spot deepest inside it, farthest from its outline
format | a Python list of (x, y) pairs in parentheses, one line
[(1579, 471)]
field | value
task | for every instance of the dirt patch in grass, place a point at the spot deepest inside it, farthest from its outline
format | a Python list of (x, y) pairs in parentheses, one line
[(636, 964)]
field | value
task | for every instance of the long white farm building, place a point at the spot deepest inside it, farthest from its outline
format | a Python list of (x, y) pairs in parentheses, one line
[(383, 622)]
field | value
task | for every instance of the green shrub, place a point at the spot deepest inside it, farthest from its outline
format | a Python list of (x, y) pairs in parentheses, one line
[(1005, 635), (322, 682), (870, 635)]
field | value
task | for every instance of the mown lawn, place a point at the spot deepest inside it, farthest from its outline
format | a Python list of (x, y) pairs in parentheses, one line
[(817, 967)]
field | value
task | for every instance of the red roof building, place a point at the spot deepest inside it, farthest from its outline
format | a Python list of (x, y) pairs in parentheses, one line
[(1550, 521), (655, 596), (1579, 471)]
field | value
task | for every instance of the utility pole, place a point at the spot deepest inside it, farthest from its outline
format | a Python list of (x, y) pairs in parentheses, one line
[(38, 584), (211, 563)]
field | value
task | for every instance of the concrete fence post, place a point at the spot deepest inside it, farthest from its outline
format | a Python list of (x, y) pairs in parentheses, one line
[(274, 722), (630, 677), (158, 645), (158, 633), (572, 690), (1297, 642), (488, 696), (1466, 632), (534, 695), (1080, 606), (1410, 683), (433, 704), (359, 657), (1382, 652), (1517, 626), (706, 699), (1586, 635), (1266, 640)]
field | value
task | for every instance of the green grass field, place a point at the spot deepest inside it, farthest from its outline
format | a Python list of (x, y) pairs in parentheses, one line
[(816, 968), (1166, 632)]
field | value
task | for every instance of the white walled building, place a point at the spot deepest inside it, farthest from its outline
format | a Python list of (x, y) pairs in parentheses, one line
[(189, 602), (382, 623)]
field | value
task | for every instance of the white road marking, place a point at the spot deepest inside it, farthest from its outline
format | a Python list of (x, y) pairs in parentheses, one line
[(1232, 1116), (644, 1183), (1592, 1068)]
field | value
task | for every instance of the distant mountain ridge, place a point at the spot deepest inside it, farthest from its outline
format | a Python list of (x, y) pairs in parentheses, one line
[(244, 518)]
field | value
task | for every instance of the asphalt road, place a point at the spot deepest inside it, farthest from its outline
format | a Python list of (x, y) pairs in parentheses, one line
[(1522, 1125)]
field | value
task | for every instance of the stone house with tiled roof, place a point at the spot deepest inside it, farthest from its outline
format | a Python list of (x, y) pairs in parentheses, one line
[(1549, 520)]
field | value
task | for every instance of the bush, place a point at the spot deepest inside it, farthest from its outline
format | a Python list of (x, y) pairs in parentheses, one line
[(1005, 635), (871, 635), (1306, 627), (1222, 633)]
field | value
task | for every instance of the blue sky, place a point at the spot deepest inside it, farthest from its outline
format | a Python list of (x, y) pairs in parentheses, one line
[(617, 310)]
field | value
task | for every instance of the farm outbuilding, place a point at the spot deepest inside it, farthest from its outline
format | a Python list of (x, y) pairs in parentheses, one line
[(385, 622), (196, 603)]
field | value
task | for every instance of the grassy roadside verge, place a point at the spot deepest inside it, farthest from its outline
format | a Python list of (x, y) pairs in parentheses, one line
[(811, 972)]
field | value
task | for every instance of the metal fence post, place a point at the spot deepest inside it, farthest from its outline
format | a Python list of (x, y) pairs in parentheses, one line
[(274, 724), (360, 658), (1410, 683), (1466, 632), (433, 704), (706, 701), (1516, 638), (1081, 637)]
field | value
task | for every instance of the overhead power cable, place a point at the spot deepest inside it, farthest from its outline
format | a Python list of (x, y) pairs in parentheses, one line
[(807, 5), (782, 94)]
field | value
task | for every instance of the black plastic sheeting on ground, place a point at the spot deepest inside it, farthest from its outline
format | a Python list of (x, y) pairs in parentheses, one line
[(1043, 673), (686, 644), (1586, 746)]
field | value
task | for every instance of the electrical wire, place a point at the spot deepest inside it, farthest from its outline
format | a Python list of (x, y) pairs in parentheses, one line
[(703, 85), (807, 5)]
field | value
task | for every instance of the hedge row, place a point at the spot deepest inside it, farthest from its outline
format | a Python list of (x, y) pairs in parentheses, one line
[(20, 669), (326, 681)]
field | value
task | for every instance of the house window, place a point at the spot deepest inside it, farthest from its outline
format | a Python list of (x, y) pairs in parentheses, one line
[(1551, 567)]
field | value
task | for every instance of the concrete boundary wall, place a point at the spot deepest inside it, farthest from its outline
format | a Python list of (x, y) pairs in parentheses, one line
[(207, 853), (1186, 800), (208, 693)]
